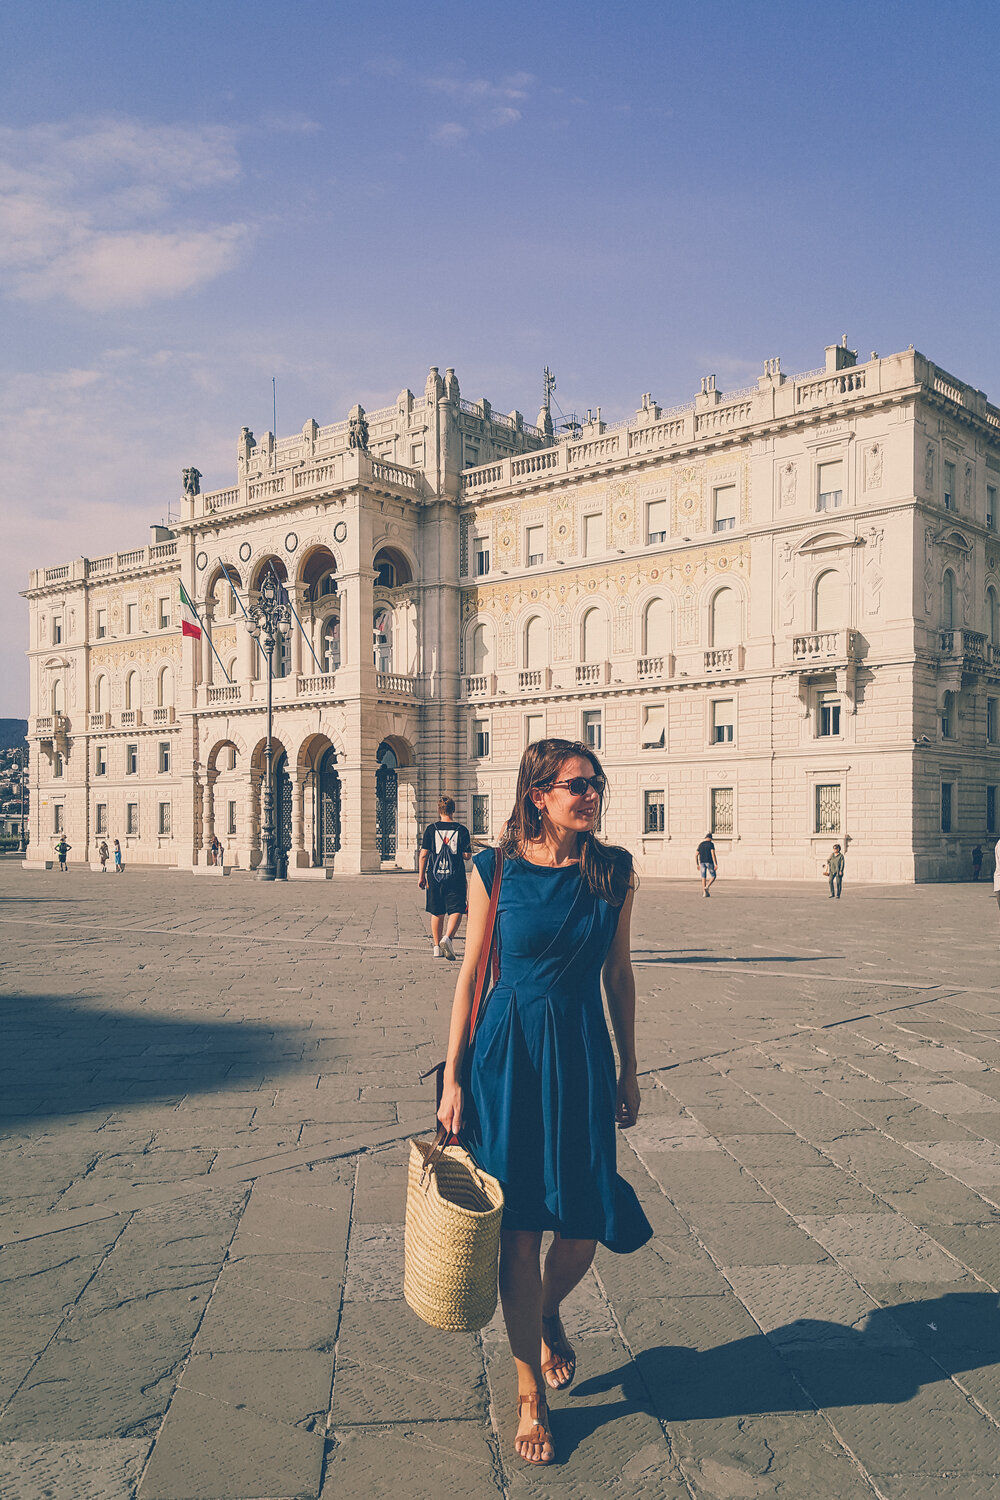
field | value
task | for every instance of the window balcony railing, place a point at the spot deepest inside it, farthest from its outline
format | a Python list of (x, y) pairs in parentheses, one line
[(482, 686), (593, 673), (968, 644), (130, 718), (225, 692), (535, 680), (99, 721), (653, 668), (163, 715), (724, 659), (395, 683), (824, 645)]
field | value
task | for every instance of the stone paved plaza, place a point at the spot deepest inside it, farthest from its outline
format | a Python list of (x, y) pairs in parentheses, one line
[(207, 1089)]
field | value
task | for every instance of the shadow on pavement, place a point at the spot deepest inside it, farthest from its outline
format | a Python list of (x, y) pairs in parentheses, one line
[(804, 1365), (648, 956), (66, 1056)]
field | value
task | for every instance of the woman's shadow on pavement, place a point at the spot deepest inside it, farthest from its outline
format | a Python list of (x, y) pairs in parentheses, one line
[(798, 1367)]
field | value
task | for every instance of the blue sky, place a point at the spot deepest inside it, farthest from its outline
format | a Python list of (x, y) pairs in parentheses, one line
[(197, 196)]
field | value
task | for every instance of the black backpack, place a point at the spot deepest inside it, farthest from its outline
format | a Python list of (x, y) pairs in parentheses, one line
[(444, 865)]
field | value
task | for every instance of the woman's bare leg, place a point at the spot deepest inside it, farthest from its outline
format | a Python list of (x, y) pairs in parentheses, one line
[(566, 1264), (521, 1296)]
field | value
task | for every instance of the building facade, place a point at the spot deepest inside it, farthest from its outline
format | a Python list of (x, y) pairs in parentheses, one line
[(774, 613)]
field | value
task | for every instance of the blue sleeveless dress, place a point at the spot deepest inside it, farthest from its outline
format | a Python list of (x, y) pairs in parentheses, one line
[(539, 1076)]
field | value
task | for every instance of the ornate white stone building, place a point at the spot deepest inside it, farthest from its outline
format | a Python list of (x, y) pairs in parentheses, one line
[(775, 613)]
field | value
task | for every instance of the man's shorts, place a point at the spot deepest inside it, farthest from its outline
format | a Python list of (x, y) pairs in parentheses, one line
[(706, 871), (444, 900)]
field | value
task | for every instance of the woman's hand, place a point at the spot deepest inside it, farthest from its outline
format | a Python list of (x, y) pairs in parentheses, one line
[(627, 1103), (450, 1109)]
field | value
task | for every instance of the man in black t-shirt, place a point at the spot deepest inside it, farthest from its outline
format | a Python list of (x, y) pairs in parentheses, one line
[(705, 862), (442, 874)]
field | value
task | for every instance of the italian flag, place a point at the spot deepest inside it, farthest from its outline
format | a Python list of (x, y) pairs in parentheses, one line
[(190, 623)]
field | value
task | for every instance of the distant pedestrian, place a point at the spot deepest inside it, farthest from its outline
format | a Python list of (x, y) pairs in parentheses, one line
[(119, 867), (441, 873), (217, 852), (706, 862), (996, 872), (62, 849), (977, 862), (835, 871), (104, 854)]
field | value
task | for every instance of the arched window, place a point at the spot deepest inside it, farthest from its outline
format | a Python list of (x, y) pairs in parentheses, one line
[(481, 652), (58, 697), (382, 639), (656, 628), (327, 586), (133, 692), (594, 636), (992, 616), (330, 644), (230, 668), (165, 688), (282, 658), (948, 716), (725, 618), (102, 699), (535, 644), (948, 600), (828, 601)]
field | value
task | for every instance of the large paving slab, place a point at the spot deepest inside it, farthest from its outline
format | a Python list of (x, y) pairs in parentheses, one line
[(205, 1097)]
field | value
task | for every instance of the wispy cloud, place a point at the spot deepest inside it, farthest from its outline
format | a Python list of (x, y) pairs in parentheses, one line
[(486, 104), (89, 211)]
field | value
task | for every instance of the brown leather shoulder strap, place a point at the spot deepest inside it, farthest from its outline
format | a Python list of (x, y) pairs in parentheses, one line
[(487, 954)]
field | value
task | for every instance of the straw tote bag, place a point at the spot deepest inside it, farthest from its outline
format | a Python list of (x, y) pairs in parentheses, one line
[(453, 1210)]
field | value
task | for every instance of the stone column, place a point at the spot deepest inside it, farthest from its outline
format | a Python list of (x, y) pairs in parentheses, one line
[(207, 655), (298, 857), (253, 818), (209, 777), (407, 830), (301, 661)]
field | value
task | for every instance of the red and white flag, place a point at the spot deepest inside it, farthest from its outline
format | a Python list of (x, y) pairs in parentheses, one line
[(190, 623)]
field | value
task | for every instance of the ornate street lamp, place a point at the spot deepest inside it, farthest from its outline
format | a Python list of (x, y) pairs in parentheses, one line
[(270, 619)]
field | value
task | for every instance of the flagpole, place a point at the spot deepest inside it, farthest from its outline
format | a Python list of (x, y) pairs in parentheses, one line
[(191, 606)]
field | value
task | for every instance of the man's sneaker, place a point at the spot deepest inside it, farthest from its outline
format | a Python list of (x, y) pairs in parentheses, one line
[(708, 893), (446, 948), (437, 952)]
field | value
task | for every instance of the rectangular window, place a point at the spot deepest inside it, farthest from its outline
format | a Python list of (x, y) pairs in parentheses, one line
[(164, 756), (724, 508), (232, 757), (58, 819), (991, 507), (654, 727), (947, 796), (131, 616), (535, 545), (482, 559), (165, 613), (991, 720), (723, 721), (534, 728), (101, 624), (480, 813), (101, 760), (131, 760), (56, 632), (417, 455), (163, 820), (949, 485), (828, 716), (656, 521), (593, 535), (830, 485), (101, 817), (470, 454), (722, 811), (947, 715), (991, 809), (828, 808), (57, 766), (481, 738), (653, 812), (592, 728), (131, 817), (231, 819)]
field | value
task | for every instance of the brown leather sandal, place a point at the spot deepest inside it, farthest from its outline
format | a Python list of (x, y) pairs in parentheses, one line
[(563, 1353), (539, 1432)]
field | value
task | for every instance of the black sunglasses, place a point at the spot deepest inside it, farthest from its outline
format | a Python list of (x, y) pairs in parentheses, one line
[(579, 785)]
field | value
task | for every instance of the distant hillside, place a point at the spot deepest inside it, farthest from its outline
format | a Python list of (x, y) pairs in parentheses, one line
[(12, 732)]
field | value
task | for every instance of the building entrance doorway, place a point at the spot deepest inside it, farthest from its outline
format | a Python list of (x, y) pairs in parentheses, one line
[(386, 782), (282, 816), (328, 809)]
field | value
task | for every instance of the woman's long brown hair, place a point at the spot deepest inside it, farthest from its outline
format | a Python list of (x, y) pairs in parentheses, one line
[(605, 868)]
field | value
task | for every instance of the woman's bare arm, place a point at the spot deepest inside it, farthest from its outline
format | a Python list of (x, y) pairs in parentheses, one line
[(619, 987), (450, 1112)]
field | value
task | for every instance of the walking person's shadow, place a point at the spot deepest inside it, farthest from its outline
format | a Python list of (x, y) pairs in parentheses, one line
[(803, 1365)]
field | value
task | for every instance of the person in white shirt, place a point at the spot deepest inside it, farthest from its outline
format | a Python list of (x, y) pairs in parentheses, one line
[(996, 872)]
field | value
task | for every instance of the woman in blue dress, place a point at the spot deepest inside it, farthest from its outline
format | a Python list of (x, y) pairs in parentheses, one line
[(535, 1095)]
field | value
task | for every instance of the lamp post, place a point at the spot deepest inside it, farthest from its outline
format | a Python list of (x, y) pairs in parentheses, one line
[(270, 619)]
